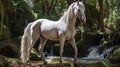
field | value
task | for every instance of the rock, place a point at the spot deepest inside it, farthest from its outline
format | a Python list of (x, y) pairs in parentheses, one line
[(53, 61), (115, 56), (3, 62), (9, 48), (99, 64)]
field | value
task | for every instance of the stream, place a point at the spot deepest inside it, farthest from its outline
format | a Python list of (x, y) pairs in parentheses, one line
[(98, 53)]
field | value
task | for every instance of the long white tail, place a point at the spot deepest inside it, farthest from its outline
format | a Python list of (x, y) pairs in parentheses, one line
[(25, 44)]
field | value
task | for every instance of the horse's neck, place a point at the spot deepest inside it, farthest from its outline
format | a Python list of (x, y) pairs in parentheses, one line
[(68, 18), (72, 22)]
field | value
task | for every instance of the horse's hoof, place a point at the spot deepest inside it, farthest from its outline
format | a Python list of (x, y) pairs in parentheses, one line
[(28, 65), (61, 65), (45, 62), (75, 60), (60, 61)]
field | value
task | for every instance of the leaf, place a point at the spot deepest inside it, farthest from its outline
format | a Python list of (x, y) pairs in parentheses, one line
[(30, 3)]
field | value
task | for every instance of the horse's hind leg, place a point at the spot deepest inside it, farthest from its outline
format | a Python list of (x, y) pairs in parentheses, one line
[(72, 42), (34, 37), (43, 41)]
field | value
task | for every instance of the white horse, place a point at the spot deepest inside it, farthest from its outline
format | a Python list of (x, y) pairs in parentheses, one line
[(61, 30)]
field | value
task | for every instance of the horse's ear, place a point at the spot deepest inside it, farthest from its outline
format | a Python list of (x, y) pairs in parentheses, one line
[(80, 0)]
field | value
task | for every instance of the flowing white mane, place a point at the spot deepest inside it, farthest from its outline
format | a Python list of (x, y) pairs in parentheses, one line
[(67, 14)]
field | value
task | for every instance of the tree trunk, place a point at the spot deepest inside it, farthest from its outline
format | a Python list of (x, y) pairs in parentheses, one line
[(89, 20), (106, 8), (6, 11), (48, 8), (52, 6), (44, 6), (100, 14), (2, 17)]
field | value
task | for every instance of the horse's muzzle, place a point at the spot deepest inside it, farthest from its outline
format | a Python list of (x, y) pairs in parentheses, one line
[(83, 19)]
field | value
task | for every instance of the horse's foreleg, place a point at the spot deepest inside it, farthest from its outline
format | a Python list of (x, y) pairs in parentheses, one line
[(72, 42), (62, 40), (41, 47)]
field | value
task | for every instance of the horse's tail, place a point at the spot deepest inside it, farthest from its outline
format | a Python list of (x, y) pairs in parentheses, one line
[(25, 44)]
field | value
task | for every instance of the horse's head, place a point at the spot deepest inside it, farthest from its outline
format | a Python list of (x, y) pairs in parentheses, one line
[(79, 10)]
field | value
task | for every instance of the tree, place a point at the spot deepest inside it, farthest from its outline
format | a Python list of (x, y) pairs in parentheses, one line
[(47, 7), (100, 14), (90, 20), (6, 8), (2, 17)]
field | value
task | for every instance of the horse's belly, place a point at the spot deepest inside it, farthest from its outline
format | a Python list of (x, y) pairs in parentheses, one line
[(51, 35)]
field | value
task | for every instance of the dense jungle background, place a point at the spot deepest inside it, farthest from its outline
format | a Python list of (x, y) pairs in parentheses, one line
[(102, 27)]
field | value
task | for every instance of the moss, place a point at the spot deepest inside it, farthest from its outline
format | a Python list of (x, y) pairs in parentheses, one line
[(13, 60), (115, 56), (100, 64), (3, 62), (34, 55), (55, 61)]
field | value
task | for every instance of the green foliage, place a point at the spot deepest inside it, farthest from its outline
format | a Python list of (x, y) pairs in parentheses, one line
[(114, 15), (38, 9), (34, 55), (30, 3), (114, 10), (92, 2)]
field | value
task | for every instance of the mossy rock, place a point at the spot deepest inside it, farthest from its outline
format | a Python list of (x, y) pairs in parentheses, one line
[(92, 64), (100, 64), (13, 61), (3, 62), (9, 62), (9, 48), (115, 56), (34, 55)]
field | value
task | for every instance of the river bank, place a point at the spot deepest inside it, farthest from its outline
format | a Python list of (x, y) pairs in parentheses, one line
[(53, 61)]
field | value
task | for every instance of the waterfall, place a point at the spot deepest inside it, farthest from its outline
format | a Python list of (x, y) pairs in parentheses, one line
[(51, 51), (95, 53)]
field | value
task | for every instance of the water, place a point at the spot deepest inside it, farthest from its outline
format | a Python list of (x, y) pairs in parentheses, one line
[(97, 53), (51, 51)]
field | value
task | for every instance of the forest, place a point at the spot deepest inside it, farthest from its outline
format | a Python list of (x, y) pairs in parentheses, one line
[(97, 39)]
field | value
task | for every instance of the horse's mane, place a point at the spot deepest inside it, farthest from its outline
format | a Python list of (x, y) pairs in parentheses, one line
[(67, 14)]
